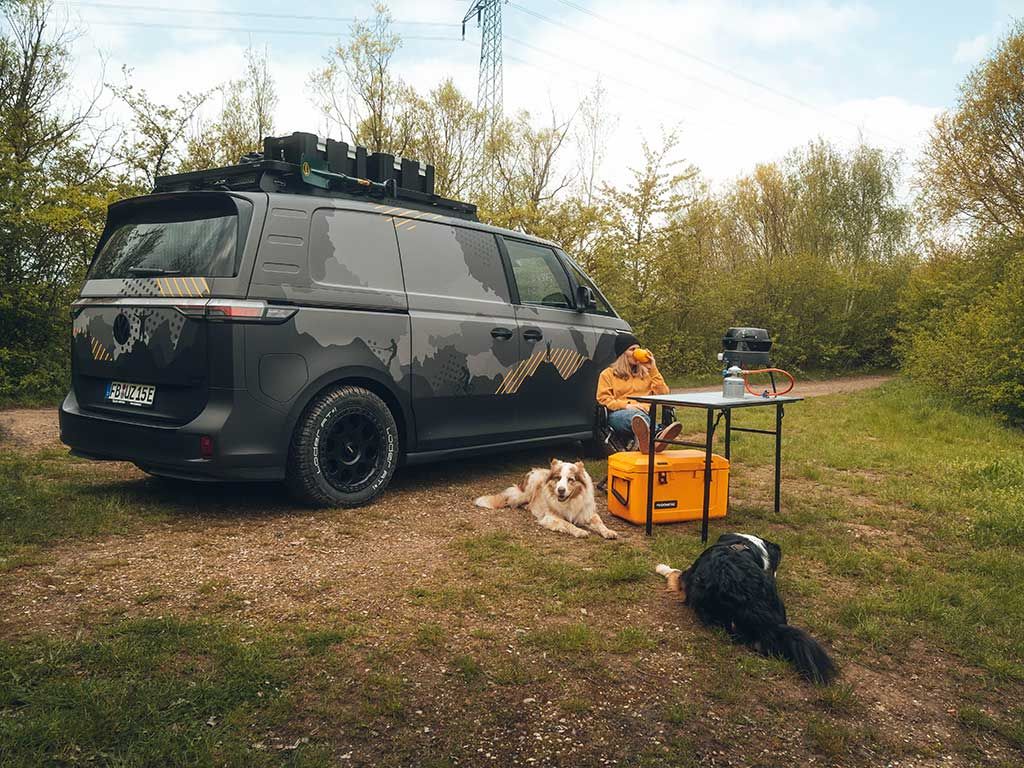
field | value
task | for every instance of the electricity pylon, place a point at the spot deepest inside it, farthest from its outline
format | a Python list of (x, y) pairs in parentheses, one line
[(489, 86)]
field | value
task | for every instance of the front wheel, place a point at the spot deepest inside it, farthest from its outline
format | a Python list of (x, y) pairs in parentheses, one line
[(344, 450)]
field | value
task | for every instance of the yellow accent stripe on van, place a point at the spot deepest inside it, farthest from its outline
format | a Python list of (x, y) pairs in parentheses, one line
[(99, 352), (183, 286), (566, 361)]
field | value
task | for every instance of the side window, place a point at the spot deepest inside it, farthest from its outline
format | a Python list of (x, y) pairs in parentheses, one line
[(352, 249), (602, 307), (443, 260), (539, 275)]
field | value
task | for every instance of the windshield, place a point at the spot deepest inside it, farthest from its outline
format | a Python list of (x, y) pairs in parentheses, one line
[(195, 238)]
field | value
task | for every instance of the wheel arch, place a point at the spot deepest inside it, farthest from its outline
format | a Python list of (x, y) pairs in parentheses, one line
[(368, 379)]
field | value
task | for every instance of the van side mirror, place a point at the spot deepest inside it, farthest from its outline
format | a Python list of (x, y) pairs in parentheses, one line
[(585, 298)]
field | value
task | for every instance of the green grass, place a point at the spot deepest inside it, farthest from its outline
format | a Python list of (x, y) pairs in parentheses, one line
[(47, 497), (142, 692), (903, 534)]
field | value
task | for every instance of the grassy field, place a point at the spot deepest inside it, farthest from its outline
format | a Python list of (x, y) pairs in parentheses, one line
[(156, 623)]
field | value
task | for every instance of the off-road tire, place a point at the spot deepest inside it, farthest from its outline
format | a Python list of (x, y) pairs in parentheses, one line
[(315, 473)]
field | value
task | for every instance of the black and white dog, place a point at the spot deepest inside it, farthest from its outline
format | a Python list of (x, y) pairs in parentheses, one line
[(732, 585)]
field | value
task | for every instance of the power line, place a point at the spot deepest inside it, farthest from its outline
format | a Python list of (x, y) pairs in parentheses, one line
[(632, 84), (725, 70), (253, 30), (645, 59), (248, 14)]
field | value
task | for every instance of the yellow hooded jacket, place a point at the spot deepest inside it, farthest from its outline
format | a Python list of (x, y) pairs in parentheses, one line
[(615, 393)]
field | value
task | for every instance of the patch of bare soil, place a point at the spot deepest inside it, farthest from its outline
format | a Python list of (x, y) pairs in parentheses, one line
[(32, 428)]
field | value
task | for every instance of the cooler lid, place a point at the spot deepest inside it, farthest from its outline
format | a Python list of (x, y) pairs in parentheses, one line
[(634, 462)]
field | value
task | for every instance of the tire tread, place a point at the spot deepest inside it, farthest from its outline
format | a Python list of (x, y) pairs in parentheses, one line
[(301, 475)]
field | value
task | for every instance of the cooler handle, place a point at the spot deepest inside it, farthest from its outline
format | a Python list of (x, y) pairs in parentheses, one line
[(615, 492)]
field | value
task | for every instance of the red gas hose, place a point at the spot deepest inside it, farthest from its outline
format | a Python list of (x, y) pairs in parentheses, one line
[(766, 393)]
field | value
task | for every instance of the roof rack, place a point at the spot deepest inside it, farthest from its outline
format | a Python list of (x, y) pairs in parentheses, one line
[(307, 165)]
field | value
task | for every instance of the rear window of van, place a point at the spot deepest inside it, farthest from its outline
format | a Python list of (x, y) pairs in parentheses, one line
[(196, 237)]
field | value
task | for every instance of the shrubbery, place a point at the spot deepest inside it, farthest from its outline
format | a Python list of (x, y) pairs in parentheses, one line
[(963, 325), (963, 311)]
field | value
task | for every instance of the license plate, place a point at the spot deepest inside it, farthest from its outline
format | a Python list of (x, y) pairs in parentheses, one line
[(131, 394)]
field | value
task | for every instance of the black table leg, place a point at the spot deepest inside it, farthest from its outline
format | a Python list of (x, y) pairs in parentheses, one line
[(728, 453), (779, 412), (728, 433), (707, 475), (650, 468)]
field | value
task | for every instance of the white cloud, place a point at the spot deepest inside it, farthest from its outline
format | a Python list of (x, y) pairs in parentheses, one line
[(818, 23), (972, 50), (725, 124)]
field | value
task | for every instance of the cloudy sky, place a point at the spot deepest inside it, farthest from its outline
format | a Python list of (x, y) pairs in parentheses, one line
[(741, 82)]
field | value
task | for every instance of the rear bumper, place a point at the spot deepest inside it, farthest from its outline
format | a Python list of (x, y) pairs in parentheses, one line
[(250, 440)]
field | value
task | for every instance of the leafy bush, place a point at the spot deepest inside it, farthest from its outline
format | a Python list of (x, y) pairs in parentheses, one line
[(965, 335)]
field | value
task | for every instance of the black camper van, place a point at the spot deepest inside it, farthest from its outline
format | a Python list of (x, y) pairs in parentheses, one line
[(317, 314)]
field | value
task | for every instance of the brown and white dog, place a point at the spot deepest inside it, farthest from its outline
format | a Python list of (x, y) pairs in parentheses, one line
[(561, 498)]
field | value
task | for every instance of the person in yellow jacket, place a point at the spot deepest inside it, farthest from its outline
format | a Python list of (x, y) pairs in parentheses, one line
[(632, 375)]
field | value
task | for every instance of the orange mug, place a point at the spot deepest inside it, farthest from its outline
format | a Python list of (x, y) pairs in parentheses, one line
[(642, 355)]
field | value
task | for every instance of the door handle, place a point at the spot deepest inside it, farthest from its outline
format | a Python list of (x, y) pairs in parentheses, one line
[(501, 333), (532, 334)]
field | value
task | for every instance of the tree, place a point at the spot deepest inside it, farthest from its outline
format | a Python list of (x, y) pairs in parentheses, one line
[(972, 170), (55, 181), (246, 117), (155, 143), (594, 128), (358, 93), (449, 134), (525, 176), (962, 309)]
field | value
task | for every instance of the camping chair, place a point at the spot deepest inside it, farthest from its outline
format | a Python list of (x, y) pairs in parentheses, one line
[(612, 441)]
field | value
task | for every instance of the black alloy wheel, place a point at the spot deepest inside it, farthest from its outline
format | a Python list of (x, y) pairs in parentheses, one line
[(344, 450)]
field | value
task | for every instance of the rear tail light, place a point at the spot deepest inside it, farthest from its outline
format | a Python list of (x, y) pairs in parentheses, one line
[(206, 446), (225, 310), (228, 310)]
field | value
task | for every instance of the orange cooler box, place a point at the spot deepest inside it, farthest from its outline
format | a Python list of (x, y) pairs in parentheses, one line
[(678, 486)]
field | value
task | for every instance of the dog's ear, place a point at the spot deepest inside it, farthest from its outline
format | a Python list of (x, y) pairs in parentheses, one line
[(554, 464), (581, 467), (774, 554)]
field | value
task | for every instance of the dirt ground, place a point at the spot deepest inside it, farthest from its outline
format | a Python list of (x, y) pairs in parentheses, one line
[(246, 554)]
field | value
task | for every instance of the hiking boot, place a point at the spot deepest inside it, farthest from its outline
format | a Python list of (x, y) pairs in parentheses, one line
[(642, 432), (671, 432)]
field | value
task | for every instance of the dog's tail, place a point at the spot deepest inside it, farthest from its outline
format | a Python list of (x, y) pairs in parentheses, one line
[(801, 650), (507, 498), (514, 495), (672, 576)]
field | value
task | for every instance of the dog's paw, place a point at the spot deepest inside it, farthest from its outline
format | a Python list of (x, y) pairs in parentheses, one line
[(608, 534), (579, 533), (484, 502)]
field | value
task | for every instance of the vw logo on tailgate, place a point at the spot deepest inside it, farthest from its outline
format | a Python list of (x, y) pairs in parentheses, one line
[(122, 329)]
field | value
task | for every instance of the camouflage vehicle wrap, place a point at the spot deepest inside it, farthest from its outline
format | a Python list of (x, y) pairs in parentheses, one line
[(472, 337)]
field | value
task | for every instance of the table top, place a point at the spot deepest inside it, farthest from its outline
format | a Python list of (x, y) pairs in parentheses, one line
[(715, 400)]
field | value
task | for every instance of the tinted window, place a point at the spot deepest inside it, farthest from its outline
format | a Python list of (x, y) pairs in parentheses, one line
[(170, 237), (347, 248), (602, 307), (539, 275), (442, 260)]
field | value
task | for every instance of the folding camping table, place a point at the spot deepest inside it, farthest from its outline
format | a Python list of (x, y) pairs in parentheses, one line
[(711, 402)]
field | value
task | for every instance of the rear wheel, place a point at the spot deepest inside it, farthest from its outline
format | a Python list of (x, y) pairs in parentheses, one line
[(344, 450)]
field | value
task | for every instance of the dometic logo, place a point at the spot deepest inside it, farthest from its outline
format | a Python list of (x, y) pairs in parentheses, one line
[(666, 504), (122, 329)]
